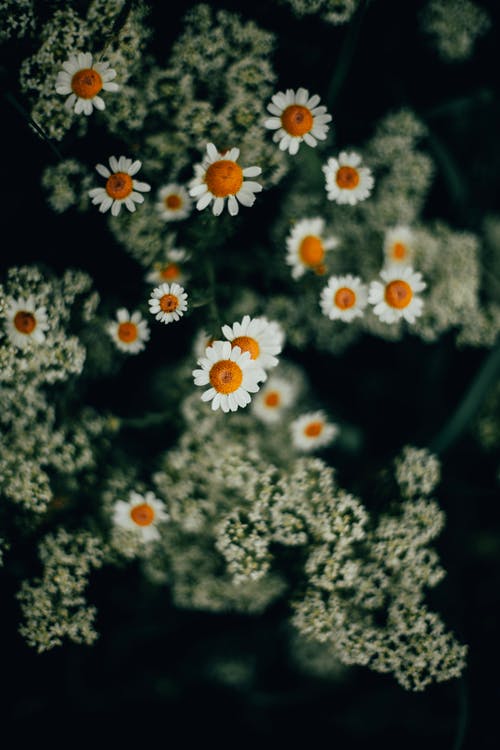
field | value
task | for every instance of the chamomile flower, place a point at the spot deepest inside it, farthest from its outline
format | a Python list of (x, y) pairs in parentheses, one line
[(399, 246), (173, 203), (129, 332), (258, 336), (84, 80), (273, 399), (306, 247), (25, 322), (219, 177), (297, 118), (201, 341), (141, 514), (345, 180), (344, 298), (120, 187), (170, 269), (397, 297), (231, 375), (168, 302), (312, 431)]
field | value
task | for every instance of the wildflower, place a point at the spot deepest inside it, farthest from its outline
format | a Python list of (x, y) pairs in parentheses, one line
[(219, 177), (201, 341), (25, 322), (306, 247), (129, 332), (399, 246), (396, 298), (312, 430), (173, 202), (170, 269), (346, 181), (120, 187), (83, 81), (231, 375), (168, 302), (272, 401), (297, 118), (140, 514), (344, 298), (261, 338)]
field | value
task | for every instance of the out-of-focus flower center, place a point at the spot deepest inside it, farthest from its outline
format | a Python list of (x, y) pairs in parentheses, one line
[(127, 332), (226, 376), (224, 178), (173, 201), (398, 294), (398, 250), (311, 250), (314, 429), (24, 322), (247, 344), (344, 298), (347, 178), (172, 271), (142, 515), (169, 302), (272, 399), (297, 120), (86, 83), (119, 185)]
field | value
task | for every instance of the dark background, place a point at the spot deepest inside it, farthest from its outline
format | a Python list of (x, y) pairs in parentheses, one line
[(153, 665)]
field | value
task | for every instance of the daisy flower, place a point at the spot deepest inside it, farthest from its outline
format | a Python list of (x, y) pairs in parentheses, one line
[(219, 177), (397, 297), (261, 338), (84, 80), (231, 375), (201, 341), (346, 181), (344, 298), (129, 332), (168, 302), (399, 246), (170, 269), (272, 401), (306, 247), (140, 514), (296, 118), (312, 431), (25, 322), (173, 202), (120, 187)]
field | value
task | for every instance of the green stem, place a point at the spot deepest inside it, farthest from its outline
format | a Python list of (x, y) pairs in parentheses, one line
[(462, 716), (346, 55), (12, 100), (148, 420)]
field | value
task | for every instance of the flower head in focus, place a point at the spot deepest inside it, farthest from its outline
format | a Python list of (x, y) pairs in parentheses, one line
[(25, 322), (82, 81), (307, 246), (120, 187), (129, 332), (231, 375), (258, 336), (168, 302), (173, 203), (397, 297), (312, 431), (345, 180), (140, 514), (344, 298), (296, 117)]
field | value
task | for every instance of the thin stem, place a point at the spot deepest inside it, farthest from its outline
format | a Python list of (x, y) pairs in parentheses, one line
[(346, 55), (17, 106), (462, 716)]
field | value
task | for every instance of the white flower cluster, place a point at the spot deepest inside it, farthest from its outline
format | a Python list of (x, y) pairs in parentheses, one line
[(454, 26)]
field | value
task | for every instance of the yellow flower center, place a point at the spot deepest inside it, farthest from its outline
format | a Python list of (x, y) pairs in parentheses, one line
[(297, 120), (224, 177), (247, 344), (172, 271), (398, 294), (169, 302), (142, 515), (311, 251), (24, 322), (344, 298), (347, 178), (173, 201), (398, 250), (119, 185), (86, 83), (226, 376), (127, 332), (272, 399), (313, 429)]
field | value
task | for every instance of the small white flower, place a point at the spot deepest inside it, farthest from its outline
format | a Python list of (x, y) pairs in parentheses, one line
[(345, 180), (25, 322), (219, 177), (140, 514), (173, 202), (399, 246), (168, 302), (297, 118), (129, 332), (170, 269), (274, 398), (120, 187), (397, 297), (262, 338), (231, 375), (201, 341), (306, 247), (312, 431), (344, 298), (83, 81)]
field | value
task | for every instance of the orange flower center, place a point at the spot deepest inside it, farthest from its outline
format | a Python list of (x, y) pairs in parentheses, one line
[(398, 250), (224, 178), (347, 178), (297, 120), (172, 271), (313, 429), (247, 344), (119, 185), (311, 250), (272, 399), (173, 201), (127, 332), (344, 298), (398, 294), (142, 515), (24, 322), (169, 302), (226, 376), (86, 83), (320, 270)]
